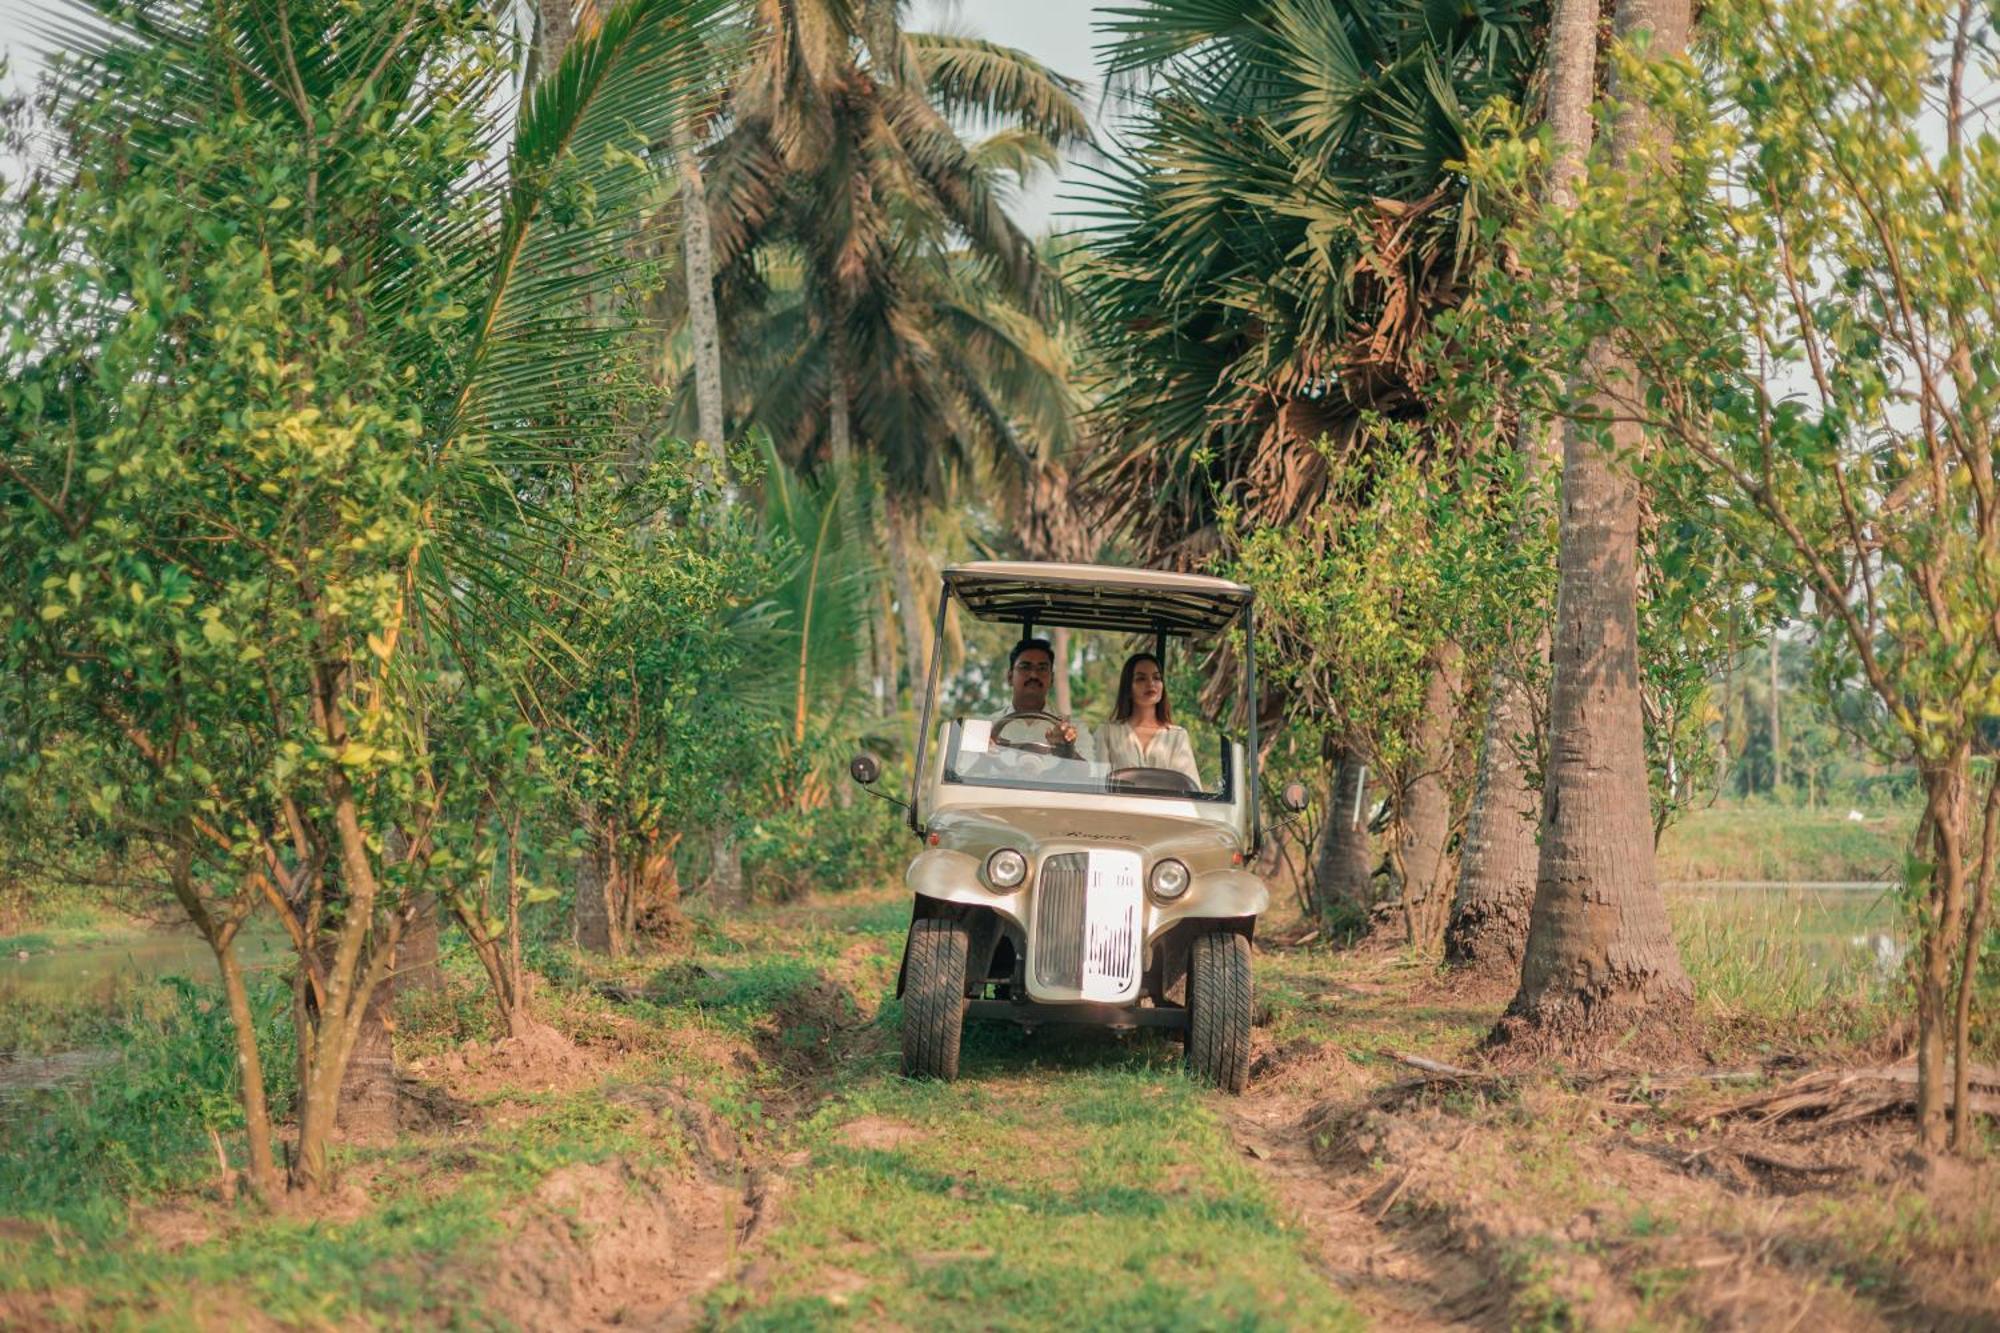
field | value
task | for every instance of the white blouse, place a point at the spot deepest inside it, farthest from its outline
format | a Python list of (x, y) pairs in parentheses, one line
[(1119, 746)]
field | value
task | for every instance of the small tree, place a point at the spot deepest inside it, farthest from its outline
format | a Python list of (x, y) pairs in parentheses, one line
[(653, 717), (1375, 609), (292, 369)]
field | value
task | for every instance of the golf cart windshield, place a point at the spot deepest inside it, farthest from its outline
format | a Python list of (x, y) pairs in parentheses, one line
[(1011, 751), (1063, 726)]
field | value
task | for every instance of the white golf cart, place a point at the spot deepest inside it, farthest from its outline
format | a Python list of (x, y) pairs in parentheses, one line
[(1053, 887)]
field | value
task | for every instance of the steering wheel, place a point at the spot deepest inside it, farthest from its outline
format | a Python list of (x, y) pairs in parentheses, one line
[(1163, 780), (1027, 747)]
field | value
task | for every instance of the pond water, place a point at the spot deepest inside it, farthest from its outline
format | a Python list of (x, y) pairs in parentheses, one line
[(101, 973), (1796, 941)]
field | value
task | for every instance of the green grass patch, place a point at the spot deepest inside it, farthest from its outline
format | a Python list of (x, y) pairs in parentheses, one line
[(1788, 953), (1774, 842), (1079, 1181), (137, 1123)]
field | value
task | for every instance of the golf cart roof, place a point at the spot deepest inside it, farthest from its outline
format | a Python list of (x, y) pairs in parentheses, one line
[(1143, 601)]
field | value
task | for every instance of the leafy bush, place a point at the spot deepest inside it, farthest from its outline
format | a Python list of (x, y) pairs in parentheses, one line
[(791, 852), (140, 1122)]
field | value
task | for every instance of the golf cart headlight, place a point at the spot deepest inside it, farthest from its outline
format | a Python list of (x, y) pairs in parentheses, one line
[(1006, 868), (1169, 879)]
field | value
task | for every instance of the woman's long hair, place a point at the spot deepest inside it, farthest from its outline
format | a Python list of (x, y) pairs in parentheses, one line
[(1121, 711)]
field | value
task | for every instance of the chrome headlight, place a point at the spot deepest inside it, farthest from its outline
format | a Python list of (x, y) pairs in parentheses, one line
[(1169, 880), (1006, 869)]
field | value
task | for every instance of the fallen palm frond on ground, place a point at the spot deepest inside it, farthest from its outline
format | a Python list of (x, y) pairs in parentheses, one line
[(1838, 1096)]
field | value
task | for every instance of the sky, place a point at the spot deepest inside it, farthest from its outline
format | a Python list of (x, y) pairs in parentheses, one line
[(1056, 32)]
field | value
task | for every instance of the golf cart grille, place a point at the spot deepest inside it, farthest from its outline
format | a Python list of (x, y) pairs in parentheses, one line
[(1061, 912)]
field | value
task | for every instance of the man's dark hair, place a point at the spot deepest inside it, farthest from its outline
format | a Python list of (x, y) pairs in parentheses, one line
[(1027, 644)]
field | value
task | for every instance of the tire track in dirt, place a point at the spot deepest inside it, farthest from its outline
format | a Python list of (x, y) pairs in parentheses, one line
[(1396, 1276)]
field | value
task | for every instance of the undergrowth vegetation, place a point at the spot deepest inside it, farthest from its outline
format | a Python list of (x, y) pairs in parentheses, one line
[(138, 1123)]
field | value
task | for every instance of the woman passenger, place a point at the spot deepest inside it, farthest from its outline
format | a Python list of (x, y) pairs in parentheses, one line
[(1141, 733)]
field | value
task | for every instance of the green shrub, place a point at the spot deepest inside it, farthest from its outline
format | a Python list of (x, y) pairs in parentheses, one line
[(139, 1123), (790, 853)]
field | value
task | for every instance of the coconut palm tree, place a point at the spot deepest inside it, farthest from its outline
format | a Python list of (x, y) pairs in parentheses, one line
[(875, 298), (848, 211)]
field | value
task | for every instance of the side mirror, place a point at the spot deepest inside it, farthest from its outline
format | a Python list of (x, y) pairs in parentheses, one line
[(1294, 797), (864, 768)]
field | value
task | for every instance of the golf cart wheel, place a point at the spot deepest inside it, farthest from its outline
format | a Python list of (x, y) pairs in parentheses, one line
[(1218, 1036), (934, 999)]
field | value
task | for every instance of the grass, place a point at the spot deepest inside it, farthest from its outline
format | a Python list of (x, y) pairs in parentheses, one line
[(1079, 1182), (1074, 1178), (1763, 841), (1069, 1178), (1785, 954), (137, 1125)]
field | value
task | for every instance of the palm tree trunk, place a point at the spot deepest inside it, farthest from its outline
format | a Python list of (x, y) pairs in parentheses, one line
[(1423, 832), (1777, 733), (555, 25), (1344, 863), (1600, 957), (905, 554), (369, 1091), (1489, 925), (1496, 883), (417, 956), (725, 876), (594, 919), (704, 329)]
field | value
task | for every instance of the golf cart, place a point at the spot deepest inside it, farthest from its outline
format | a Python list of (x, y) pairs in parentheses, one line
[(1054, 888)]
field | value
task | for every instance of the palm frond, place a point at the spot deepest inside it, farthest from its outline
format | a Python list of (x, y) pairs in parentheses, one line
[(988, 85)]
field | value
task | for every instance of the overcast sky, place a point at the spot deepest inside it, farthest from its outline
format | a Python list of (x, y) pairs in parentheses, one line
[(1056, 32)]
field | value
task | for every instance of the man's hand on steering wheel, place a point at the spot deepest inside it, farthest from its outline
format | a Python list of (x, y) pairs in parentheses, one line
[(1059, 739)]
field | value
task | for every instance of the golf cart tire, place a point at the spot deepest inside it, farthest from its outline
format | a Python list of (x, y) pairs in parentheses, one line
[(934, 999), (1219, 1010)]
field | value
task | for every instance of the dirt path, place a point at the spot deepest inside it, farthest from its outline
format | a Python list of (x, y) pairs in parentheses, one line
[(1396, 1276), (1491, 1202)]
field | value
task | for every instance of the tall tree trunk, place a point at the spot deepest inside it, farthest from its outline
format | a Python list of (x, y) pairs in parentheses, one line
[(704, 329), (1777, 731), (556, 27), (725, 874), (905, 555), (417, 958), (1600, 957), (369, 1092), (1423, 833), (1489, 925), (1496, 884), (595, 920), (1344, 863)]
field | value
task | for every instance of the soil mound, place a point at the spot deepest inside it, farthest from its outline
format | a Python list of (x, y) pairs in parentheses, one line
[(540, 1060), (804, 1033), (610, 1244)]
